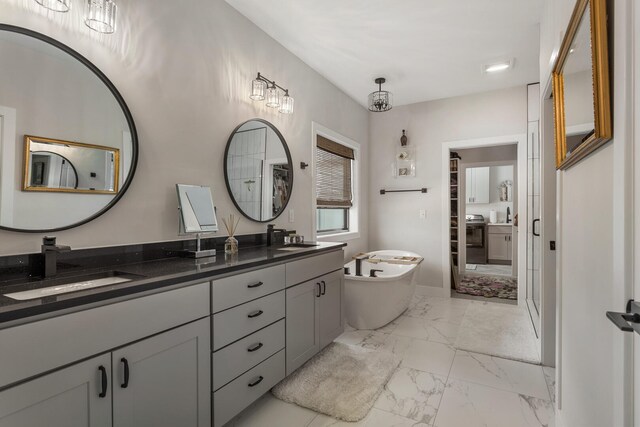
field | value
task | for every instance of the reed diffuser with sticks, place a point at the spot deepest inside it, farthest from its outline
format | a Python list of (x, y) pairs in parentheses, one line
[(231, 244)]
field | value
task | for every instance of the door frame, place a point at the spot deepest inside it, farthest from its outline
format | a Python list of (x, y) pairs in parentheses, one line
[(521, 141)]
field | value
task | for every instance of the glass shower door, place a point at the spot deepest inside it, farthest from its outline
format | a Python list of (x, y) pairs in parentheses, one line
[(533, 227)]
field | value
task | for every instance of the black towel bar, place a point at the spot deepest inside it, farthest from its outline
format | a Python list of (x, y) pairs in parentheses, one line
[(421, 190)]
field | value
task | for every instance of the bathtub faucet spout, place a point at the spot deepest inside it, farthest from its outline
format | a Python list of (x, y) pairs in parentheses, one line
[(359, 259)]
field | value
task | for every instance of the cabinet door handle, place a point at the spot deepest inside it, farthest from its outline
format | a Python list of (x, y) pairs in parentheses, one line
[(533, 227), (256, 382), (125, 365), (255, 285), (255, 314), (103, 381), (324, 288), (255, 347), (318, 290)]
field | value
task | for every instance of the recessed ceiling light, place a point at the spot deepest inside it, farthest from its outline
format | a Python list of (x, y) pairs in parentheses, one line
[(495, 67)]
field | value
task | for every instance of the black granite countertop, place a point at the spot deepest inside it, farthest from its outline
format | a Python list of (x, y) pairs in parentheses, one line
[(146, 276)]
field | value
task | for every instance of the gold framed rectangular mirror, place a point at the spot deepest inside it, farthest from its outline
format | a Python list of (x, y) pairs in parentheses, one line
[(581, 87), (53, 165)]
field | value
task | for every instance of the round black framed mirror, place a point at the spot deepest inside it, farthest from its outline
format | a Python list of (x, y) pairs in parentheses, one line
[(52, 91), (258, 170)]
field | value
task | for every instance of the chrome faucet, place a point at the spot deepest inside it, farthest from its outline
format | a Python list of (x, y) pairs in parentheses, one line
[(271, 233), (50, 253)]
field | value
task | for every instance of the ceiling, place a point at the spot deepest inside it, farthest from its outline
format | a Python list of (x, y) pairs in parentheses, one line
[(426, 49)]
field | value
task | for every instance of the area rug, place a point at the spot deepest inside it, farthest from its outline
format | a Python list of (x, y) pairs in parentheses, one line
[(341, 381), (498, 330), (489, 286)]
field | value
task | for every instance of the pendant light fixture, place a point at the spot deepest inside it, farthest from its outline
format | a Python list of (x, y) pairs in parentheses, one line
[(263, 89), (55, 5), (380, 100), (100, 15)]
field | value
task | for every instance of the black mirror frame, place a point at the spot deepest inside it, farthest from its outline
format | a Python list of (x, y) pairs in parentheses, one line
[(289, 160), (123, 106)]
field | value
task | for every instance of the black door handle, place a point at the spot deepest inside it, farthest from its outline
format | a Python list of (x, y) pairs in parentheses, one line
[(103, 381), (324, 288), (629, 321), (125, 364), (533, 227), (255, 285), (319, 290), (255, 314), (256, 382), (255, 347)]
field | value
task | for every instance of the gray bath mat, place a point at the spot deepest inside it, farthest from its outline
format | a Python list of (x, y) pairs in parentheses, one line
[(341, 381)]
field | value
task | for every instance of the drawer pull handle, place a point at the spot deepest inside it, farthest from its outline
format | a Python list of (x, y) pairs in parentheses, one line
[(256, 382), (255, 314), (125, 363), (255, 285), (255, 347), (103, 381)]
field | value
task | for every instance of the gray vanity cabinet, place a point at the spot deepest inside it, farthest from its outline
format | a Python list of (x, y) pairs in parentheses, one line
[(168, 379), (69, 397), (314, 317), (303, 320), (331, 318)]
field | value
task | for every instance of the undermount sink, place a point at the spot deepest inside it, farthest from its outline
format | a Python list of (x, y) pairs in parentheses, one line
[(71, 284)]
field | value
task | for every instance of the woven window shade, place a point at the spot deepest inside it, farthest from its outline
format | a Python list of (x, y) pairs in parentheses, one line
[(333, 174)]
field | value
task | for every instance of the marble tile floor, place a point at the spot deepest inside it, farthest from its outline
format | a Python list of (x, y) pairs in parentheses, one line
[(435, 385)]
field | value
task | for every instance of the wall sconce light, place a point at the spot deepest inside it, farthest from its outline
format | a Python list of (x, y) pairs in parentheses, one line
[(265, 89), (55, 5), (99, 15)]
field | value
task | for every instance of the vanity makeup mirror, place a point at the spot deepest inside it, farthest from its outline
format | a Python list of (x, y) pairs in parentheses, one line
[(258, 170), (197, 215), (85, 154), (581, 85)]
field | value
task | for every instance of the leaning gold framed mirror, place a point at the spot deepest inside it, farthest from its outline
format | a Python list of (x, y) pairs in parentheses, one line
[(581, 87), (53, 165)]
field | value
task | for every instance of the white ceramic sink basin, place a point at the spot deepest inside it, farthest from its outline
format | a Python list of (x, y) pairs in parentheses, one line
[(68, 287)]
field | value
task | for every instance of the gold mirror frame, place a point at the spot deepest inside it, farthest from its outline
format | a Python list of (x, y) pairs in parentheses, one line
[(601, 86), (27, 160)]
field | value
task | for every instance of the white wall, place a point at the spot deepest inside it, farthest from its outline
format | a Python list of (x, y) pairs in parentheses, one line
[(594, 258), (394, 221), (185, 69)]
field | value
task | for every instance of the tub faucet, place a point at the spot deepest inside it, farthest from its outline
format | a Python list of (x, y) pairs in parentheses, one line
[(373, 272), (359, 259), (50, 253)]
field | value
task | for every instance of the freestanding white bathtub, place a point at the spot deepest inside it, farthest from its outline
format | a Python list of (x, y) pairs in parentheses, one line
[(372, 302)]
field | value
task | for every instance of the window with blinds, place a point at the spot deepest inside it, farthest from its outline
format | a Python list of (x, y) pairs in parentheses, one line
[(334, 194)]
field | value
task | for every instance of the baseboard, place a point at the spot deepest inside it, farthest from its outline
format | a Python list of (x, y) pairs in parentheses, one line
[(432, 291)]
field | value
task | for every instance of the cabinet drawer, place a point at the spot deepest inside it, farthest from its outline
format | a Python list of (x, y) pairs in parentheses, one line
[(308, 268), (237, 395), (240, 321), (499, 229), (242, 355), (238, 289)]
